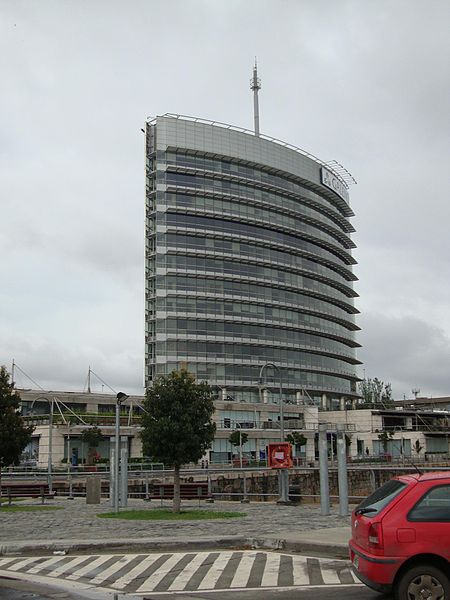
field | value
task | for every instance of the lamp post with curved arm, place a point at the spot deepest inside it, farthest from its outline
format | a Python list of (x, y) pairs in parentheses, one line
[(283, 477), (262, 380)]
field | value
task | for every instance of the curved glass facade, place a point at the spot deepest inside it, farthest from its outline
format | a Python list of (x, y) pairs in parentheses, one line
[(248, 261)]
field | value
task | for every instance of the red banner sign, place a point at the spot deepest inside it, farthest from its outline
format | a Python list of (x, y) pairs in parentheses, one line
[(280, 455)]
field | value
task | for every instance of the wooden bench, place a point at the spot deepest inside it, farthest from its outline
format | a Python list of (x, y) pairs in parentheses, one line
[(26, 490), (188, 491)]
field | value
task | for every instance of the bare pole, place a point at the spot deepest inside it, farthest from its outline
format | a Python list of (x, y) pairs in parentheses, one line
[(255, 85)]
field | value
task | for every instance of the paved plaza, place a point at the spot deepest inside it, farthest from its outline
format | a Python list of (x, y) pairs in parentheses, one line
[(78, 521)]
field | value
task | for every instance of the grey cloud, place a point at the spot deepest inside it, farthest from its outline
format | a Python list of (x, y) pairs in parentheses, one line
[(407, 352), (360, 81)]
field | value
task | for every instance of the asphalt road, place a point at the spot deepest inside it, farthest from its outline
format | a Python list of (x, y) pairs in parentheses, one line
[(20, 590), (329, 593)]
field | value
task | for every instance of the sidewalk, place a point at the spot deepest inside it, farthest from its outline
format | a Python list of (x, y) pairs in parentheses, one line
[(76, 528)]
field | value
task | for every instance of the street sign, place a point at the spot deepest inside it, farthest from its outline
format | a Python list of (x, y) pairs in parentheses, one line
[(280, 455)]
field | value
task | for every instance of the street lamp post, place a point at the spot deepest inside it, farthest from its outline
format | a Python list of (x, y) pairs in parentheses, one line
[(262, 380), (283, 475), (121, 397)]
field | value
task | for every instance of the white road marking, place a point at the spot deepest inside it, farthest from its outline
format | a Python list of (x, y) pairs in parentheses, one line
[(242, 574), (270, 577), (189, 570), (114, 568), (89, 567), (47, 563), (151, 582), (66, 567), (212, 577), (300, 568), (135, 572), (24, 563)]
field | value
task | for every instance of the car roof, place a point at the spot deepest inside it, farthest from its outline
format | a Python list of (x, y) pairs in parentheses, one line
[(426, 476)]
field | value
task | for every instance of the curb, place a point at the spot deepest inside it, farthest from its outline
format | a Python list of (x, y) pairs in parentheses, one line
[(336, 550)]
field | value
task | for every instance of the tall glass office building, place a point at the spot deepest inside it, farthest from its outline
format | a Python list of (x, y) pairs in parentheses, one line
[(248, 261)]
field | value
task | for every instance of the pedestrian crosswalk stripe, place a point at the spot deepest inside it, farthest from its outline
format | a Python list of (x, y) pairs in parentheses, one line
[(126, 579), (91, 566), (115, 566), (21, 564), (151, 582), (187, 571), (270, 575), (68, 565), (179, 583), (212, 576), (43, 565), (300, 571)]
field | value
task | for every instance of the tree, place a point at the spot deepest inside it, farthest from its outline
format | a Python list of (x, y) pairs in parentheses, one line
[(238, 439), (14, 435), (92, 437), (375, 391), (296, 438), (177, 424)]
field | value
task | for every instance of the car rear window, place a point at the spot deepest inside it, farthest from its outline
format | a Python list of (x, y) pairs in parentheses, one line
[(382, 497)]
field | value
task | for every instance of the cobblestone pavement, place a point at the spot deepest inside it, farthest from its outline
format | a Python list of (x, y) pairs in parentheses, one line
[(79, 521)]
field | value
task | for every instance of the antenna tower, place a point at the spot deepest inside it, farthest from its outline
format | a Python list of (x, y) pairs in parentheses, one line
[(255, 85)]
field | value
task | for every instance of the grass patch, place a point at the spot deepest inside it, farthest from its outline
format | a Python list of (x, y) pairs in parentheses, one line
[(166, 514), (29, 508)]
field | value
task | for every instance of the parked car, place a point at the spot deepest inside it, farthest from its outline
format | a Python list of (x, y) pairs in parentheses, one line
[(401, 537)]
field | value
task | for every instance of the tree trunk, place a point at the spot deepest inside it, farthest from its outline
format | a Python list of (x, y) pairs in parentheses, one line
[(176, 489), (0, 487)]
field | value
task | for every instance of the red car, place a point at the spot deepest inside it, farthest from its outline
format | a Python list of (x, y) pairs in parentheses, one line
[(401, 537)]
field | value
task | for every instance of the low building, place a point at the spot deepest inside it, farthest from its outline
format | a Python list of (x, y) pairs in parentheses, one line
[(413, 433), (74, 412)]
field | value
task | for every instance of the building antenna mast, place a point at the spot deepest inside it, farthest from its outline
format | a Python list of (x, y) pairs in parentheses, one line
[(255, 85)]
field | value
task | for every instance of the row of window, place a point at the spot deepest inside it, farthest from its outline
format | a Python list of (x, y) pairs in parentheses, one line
[(233, 168), (250, 251), (249, 375), (266, 216), (251, 291), (180, 262), (277, 335), (218, 308), (274, 209), (247, 352), (256, 232)]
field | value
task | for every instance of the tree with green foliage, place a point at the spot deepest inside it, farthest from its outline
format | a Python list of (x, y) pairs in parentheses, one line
[(238, 439), (375, 391), (14, 434), (177, 424), (92, 437), (296, 438)]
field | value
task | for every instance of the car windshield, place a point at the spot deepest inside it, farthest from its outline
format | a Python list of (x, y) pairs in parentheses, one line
[(383, 496)]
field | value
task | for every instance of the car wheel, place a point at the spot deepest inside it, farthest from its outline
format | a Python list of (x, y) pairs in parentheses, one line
[(423, 582)]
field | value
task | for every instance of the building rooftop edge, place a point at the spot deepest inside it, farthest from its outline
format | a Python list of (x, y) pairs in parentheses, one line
[(263, 136)]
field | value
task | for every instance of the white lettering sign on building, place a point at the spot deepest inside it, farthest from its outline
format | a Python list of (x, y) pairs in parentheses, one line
[(330, 180)]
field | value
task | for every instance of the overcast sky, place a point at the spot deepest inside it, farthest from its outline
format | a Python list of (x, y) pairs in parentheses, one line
[(364, 82)]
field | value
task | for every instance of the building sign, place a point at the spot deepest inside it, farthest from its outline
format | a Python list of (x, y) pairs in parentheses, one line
[(330, 180), (280, 455)]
